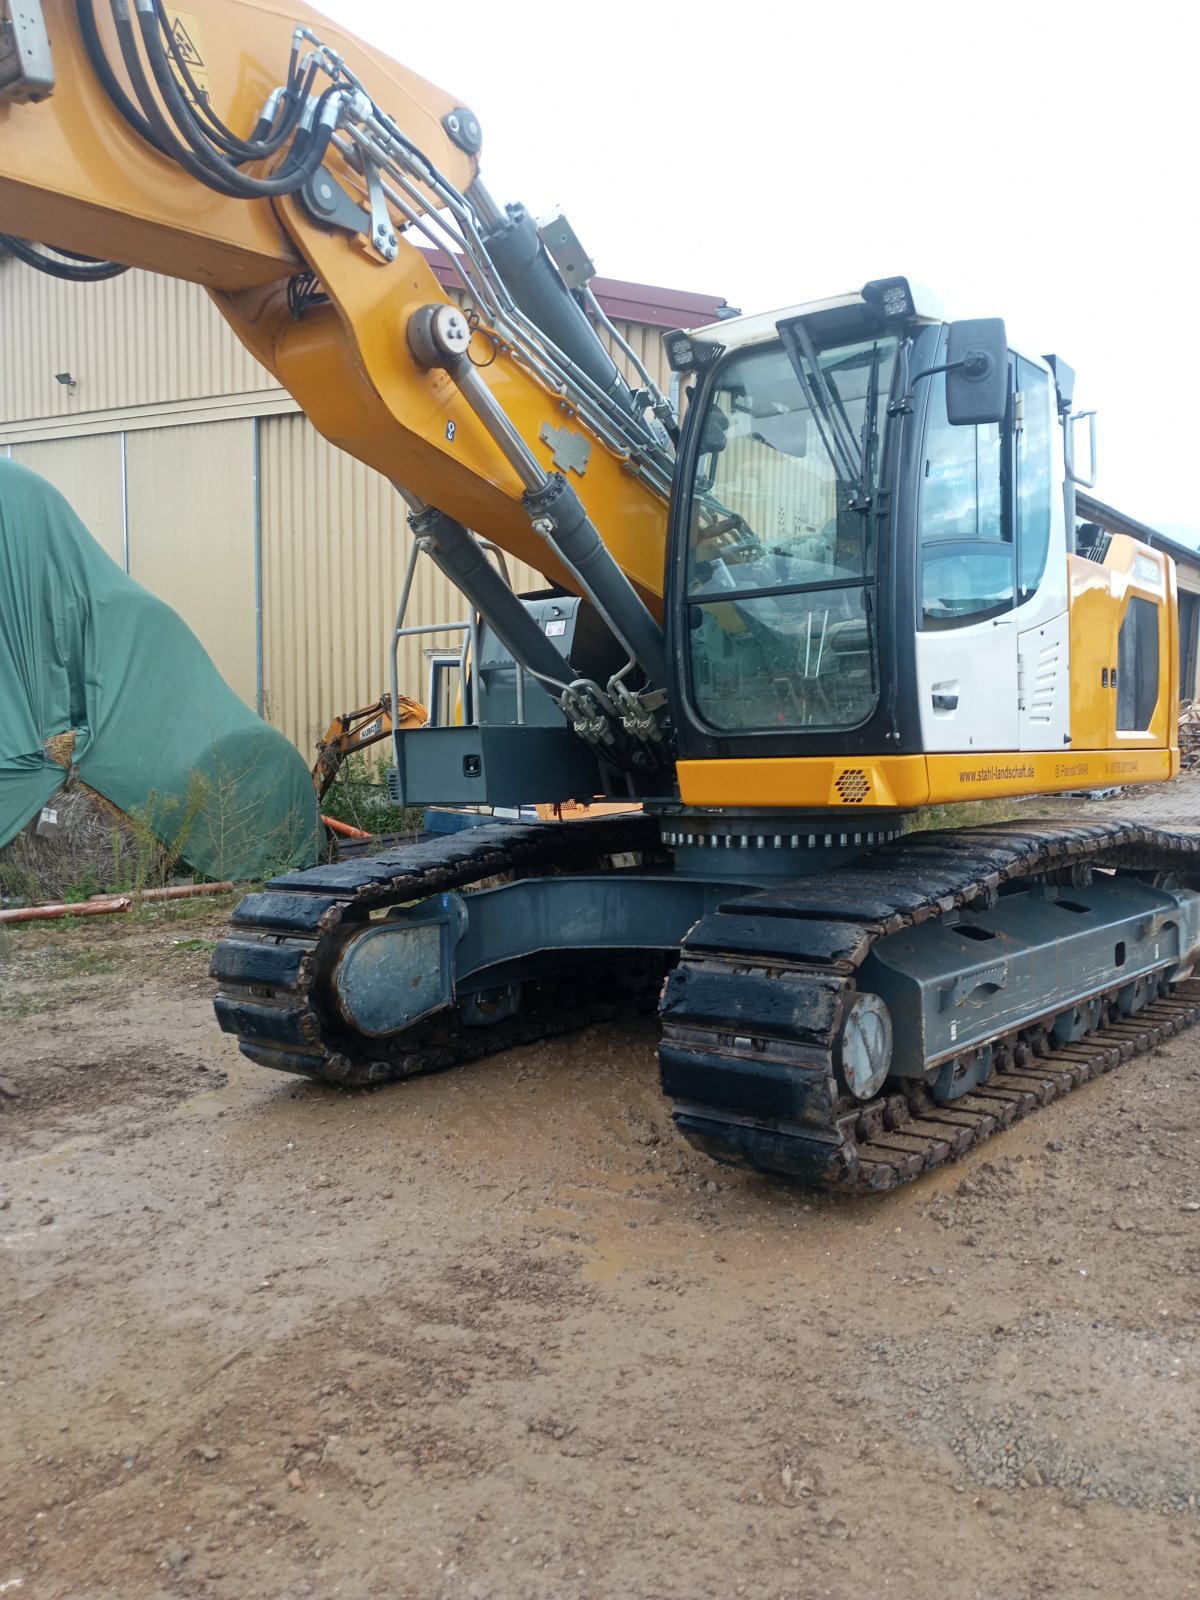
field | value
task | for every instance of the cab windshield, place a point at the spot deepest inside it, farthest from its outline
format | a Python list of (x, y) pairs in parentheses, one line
[(781, 559)]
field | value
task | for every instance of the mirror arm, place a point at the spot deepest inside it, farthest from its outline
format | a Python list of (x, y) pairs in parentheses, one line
[(903, 406)]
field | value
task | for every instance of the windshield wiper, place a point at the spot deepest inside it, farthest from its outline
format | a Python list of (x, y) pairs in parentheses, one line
[(870, 408), (862, 493), (831, 423)]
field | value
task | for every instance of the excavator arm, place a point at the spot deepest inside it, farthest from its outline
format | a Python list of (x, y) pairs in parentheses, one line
[(358, 730), (256, 148)]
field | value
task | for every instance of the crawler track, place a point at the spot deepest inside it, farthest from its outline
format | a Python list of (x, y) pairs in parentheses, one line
[(273, 969), (751, 1014)]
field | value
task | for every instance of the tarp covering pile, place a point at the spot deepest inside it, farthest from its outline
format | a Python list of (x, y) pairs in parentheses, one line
[(158, 732)]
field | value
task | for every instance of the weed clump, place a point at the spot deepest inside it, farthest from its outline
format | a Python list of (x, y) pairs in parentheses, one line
[(360, 797)]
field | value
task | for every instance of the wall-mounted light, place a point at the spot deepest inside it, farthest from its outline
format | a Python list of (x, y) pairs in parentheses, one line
[(67, 379)]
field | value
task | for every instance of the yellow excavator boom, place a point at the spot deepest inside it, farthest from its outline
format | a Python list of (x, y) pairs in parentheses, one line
[(324, 302)]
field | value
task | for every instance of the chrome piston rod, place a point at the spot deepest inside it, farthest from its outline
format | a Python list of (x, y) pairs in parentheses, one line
[(438, 336), (457, 553)]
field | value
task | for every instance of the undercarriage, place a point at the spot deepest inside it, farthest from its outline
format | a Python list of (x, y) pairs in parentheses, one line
[(844, 1008)]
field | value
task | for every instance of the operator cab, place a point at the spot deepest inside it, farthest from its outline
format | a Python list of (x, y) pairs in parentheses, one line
[(853, 569)]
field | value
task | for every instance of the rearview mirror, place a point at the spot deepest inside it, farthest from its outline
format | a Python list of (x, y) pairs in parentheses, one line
[(976, 371)]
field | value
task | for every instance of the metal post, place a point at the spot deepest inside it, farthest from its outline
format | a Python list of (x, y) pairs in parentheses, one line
[(397, 632), (124, 501), (256, 474)]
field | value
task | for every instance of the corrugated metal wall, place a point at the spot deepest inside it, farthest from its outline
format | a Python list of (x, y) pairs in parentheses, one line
[(89, 472), (136, 340), (141, 341), (191, 535), (176, 507), (334, 548), (284, 555)]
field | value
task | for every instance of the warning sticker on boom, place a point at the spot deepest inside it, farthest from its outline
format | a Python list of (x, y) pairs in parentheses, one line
[(189, 48)]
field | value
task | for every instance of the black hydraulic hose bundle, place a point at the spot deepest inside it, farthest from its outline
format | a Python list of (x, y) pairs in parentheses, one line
[(308, 144), (178, 122), (198, 157), (262, 141), (101, 66)]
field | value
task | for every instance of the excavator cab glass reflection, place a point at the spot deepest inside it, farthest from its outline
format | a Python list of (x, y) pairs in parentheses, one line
[(781, 559)]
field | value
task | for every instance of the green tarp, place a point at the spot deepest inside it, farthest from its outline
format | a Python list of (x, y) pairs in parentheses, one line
[(158, 731)]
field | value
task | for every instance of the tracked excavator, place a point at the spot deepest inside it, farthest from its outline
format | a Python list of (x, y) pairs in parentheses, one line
[(850, 584)]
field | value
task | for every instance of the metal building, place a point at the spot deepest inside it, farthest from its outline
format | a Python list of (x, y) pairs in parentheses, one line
[(198, 473)]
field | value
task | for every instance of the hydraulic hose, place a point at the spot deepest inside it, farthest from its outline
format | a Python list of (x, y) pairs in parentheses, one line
[(85, 11), (165, 139), (464, 563), (77, 269), (258, 147), (262, 141), (198, 152), (303, 160)]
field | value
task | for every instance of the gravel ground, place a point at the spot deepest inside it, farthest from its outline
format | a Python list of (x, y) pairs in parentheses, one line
[(499, 1334)]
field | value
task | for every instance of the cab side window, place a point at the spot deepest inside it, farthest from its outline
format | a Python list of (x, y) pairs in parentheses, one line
[(1137, 666), (966, 539)]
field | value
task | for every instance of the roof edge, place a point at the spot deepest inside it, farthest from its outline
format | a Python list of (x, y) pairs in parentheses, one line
[(649, 304), (1089, 509)]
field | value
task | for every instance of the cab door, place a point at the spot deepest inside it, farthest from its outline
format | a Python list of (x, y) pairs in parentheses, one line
[(966, 644)]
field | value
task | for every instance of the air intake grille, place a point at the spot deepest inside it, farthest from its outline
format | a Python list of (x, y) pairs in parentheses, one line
[(853, 786)]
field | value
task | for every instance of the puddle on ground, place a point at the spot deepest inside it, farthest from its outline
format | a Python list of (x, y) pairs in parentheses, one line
[(601, 1215), (237, 1089)]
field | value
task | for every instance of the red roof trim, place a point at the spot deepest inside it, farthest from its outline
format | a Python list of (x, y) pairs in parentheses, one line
[(624, 302)]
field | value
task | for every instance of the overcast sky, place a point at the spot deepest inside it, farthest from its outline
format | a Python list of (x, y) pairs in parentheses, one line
[(1031, 161)]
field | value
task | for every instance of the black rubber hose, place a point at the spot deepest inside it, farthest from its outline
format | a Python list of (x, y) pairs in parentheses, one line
[(201, 161), (165, 140), (78, 269), (101, 66), (222, 132), (267, 137), (262, 142), (296, 170), (76, 255), (85, 11)]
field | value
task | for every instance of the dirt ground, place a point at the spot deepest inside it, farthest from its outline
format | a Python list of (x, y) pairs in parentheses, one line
[(500, 1334)]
